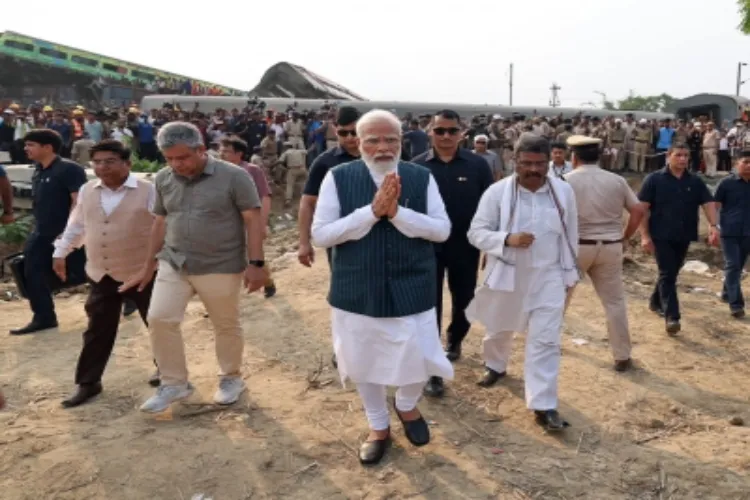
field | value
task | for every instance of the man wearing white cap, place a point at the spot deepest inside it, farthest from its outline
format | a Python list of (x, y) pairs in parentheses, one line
[(480, 148), (601, 198)]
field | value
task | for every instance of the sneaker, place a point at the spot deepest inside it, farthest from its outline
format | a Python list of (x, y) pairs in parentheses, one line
[(229, 391), (165, 396)]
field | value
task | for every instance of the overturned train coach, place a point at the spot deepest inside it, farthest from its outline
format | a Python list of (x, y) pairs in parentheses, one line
[(210, 104)]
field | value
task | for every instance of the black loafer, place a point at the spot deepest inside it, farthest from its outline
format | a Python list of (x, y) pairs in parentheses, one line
[(82, 395), (416, 431), (34, 327), (269, 291), (434, 387), (453, 351), (372, 452), (551, 420), (490, 377)]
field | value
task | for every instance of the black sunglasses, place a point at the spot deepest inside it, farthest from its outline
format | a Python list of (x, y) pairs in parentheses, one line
[(449, 131), (345, 133)]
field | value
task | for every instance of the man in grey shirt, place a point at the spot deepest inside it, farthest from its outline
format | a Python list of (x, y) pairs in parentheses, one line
[(207, 238), (480, 147)]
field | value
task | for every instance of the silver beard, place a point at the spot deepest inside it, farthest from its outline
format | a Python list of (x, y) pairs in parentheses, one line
[(381, 167)]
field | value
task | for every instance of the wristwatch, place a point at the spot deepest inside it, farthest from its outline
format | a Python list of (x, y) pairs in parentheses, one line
[(257, 263)]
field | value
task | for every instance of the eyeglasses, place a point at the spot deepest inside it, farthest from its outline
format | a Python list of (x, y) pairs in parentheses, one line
[(106, 162), (444, 131), (529, 164), (346, 133)]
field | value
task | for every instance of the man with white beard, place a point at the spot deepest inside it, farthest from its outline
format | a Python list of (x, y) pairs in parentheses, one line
[(381, 217), (527, 224)]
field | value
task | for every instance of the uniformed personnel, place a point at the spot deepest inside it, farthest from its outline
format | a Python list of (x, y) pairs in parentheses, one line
[(294, 162), (601, 197)]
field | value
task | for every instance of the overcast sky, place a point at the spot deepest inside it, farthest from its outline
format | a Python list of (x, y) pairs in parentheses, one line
[(419, 50)]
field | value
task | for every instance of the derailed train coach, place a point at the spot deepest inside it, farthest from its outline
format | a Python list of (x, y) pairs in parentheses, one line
[(401, 108)]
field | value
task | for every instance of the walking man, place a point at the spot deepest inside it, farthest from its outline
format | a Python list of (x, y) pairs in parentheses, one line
[(601, 197), (527, 225), (381, 217), (113, 221), (208, 239)]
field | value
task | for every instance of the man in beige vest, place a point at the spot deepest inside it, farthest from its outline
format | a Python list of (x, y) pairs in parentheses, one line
[(616, 142), (601, 197), (113, 221)]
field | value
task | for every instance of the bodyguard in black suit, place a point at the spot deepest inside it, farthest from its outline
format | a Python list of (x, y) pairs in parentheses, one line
[(462, 177)]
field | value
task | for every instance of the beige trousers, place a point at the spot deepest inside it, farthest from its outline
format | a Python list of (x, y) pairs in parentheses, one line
[(712, 159), (603, 264), (297, 142), (640, 150), (292, 176), (220, 294)]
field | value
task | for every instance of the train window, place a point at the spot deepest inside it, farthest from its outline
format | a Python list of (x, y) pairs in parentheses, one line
[(52, 53), (142, 74), (85, 61), (15, 44), (111, 67)]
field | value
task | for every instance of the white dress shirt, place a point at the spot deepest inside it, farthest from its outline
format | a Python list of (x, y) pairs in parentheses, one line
[(385, 351), (75, 230)]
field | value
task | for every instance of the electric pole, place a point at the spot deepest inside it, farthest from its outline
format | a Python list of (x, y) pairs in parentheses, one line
[(739, 76), (510, 86), (554, 100)]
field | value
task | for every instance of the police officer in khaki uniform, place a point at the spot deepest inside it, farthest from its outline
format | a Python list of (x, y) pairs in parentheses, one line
[(294, 162), (642, 138), (295, 131), (601, 197), (616, 143), (269, 151)]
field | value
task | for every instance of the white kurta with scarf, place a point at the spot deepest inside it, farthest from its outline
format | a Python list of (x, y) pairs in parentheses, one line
[(516, 280), (384, 351), (523, 290)]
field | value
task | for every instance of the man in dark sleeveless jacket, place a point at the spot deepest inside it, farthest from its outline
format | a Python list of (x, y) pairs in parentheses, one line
[(381, 216)]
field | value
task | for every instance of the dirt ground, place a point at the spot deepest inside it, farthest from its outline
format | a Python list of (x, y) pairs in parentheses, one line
[(663, 431)]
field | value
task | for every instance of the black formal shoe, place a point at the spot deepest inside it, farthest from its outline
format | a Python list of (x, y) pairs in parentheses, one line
[(673, 326), (623, 365), (82, 395), (372, 452), (434, 387), (550, 420), (334, 361), (738, 313), (128, 308), (34, 326), (453, 351), (269, 291), (656, 310), (155, 379), (490, 377), (416, 431)]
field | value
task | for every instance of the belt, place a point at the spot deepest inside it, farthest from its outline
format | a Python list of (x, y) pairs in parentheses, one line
[(597, 242)]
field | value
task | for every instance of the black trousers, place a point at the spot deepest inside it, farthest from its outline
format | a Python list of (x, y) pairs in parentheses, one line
[(103, 307), (37, 267), (461, 265), (670, 257)]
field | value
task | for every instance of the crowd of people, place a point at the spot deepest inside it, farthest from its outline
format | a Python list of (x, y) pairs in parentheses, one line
[(400, 205)]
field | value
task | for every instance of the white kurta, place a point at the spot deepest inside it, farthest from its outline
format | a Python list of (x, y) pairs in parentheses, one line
[(531, 278), (524, 289), (385, 351)]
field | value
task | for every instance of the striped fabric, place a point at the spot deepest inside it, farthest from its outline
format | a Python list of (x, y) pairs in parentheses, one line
[(385, 274)]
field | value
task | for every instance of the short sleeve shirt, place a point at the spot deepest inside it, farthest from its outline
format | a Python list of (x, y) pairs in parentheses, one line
[(205, 231)]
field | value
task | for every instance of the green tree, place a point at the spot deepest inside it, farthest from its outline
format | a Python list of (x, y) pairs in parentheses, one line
[(744, 6), (654, 103)]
